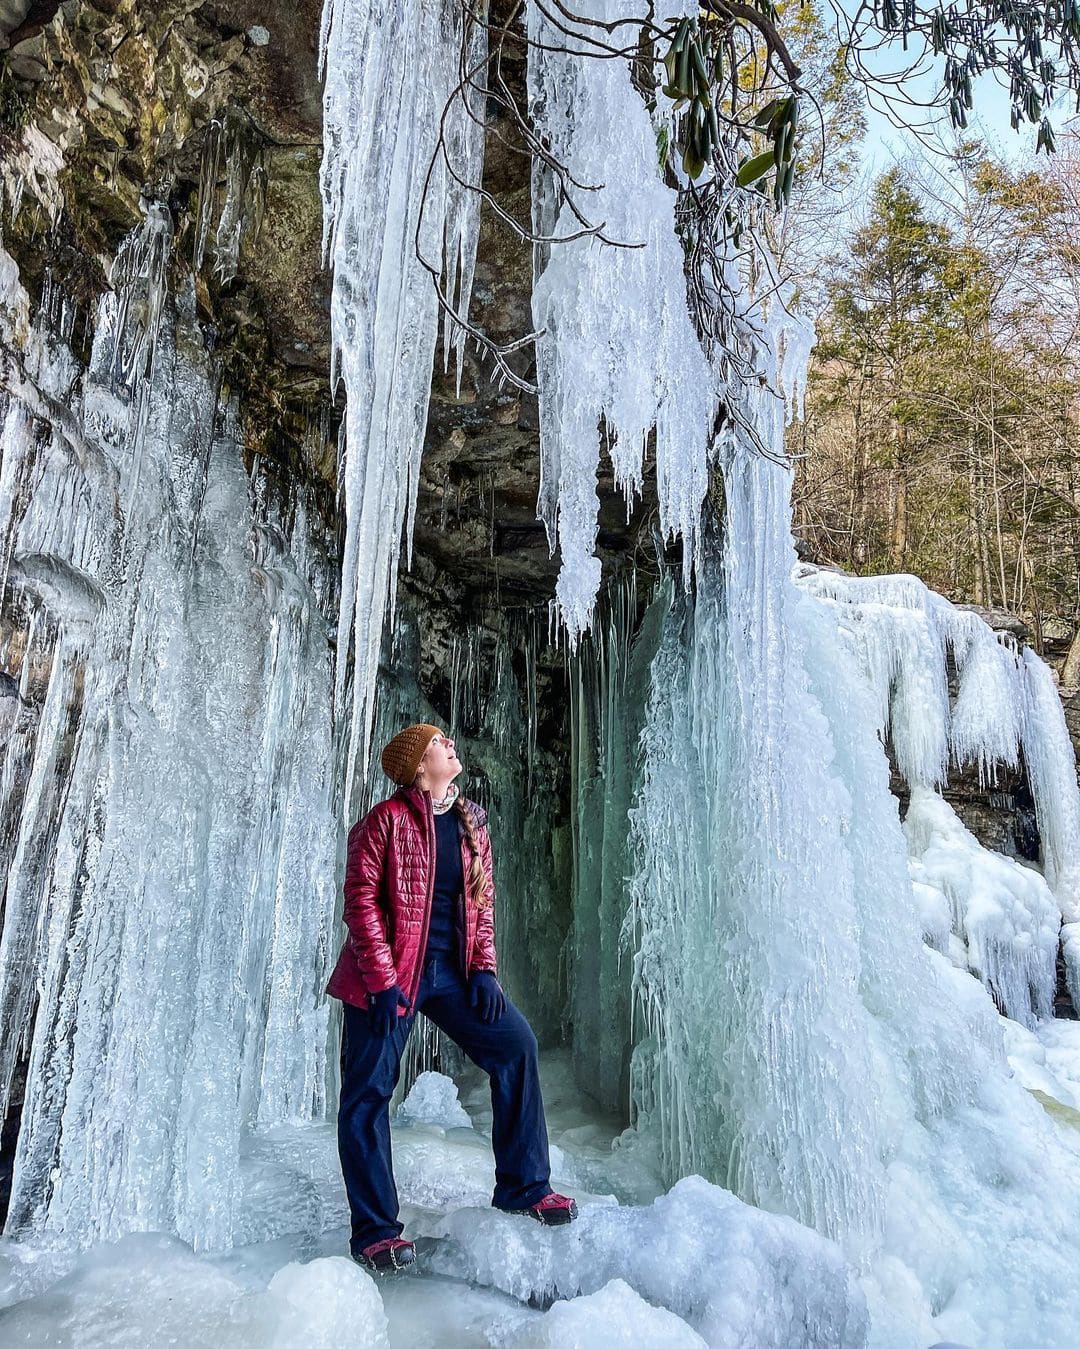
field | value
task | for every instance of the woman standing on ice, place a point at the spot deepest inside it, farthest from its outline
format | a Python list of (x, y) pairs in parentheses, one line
[(419, 893)]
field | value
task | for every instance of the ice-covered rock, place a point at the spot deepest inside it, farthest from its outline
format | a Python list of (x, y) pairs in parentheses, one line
[(1027, 1058), (735, 1274), (328, 1303), (1006, 705), (167, 833), (614, 1315), (1003, 911), (433, 1099)]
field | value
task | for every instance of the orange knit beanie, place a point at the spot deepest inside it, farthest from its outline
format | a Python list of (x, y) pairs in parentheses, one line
[(401, 757)]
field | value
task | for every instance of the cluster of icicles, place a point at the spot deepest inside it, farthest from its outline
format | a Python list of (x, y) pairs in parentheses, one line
[(1006, 712)]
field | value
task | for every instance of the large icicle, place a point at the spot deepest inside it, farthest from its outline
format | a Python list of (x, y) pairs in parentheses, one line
[(618, 349), (387, 196)]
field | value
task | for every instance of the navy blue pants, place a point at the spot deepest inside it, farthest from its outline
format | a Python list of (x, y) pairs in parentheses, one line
[(505, 1050)]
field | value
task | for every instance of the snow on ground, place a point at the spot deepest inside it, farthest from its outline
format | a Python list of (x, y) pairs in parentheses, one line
[(151, 1289), (614, 1315), (692, 1266)]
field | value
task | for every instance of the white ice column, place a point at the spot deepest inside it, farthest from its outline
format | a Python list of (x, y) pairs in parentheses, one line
[(170, 900), (754, 1057), (1051, 766)]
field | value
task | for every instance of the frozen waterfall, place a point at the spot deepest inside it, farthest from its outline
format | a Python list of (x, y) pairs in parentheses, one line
[(801, 1043), (1005, 711), (169, 832), (727, 923)]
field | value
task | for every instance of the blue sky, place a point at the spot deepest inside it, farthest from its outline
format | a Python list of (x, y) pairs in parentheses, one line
[(989, 119)]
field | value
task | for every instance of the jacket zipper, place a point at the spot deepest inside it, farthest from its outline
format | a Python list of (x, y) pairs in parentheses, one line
[(427, 908)]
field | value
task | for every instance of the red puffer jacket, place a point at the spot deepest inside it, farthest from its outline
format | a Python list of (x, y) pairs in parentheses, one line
[(389, 882)]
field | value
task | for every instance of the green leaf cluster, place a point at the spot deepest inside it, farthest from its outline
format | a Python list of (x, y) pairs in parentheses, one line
[(777, 122), (693, 66)]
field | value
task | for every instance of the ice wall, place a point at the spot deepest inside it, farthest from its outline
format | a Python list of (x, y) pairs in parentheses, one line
[(801, 1044), (167, 810), (608, 685), (398, 213), (1051, 766), (757, 1049)]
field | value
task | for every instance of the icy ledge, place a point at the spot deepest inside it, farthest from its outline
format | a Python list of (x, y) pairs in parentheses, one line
[(694, 1267), (737, 1275), (698, 1267)]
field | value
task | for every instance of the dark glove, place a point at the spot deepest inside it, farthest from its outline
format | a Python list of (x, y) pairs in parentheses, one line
[(383, 1009), (486, 995)]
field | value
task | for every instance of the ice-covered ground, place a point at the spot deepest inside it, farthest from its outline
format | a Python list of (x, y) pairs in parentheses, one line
[(693, 1266), (690, 1267)]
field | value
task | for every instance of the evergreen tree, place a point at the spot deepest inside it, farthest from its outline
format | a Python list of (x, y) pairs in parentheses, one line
[(886, 313)]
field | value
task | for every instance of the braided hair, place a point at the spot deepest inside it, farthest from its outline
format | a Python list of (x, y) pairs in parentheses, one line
[(480, 884)]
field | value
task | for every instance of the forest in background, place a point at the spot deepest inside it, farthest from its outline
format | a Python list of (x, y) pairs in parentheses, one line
[(942, 428)]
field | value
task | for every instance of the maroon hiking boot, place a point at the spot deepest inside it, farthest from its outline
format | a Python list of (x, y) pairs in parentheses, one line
[(393, 1253), (553, 1210)]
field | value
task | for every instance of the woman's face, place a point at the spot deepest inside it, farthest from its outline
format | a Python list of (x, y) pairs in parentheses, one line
[(440, 762)]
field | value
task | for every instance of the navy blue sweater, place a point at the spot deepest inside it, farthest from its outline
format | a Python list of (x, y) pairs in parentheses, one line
[(449, 883)]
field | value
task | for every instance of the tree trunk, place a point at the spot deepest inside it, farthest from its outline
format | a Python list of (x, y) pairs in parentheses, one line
[(1070, 674), (978, 575), (898, 542)]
